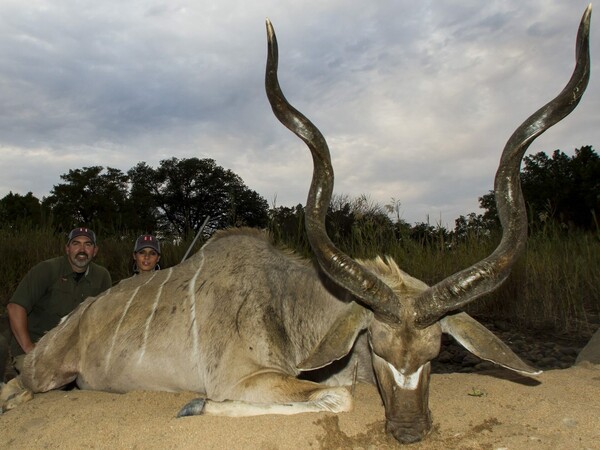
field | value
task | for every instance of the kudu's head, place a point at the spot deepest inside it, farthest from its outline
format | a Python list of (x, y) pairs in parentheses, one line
[(403, 316)]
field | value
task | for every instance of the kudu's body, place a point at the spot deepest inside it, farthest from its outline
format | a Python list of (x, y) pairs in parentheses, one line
[(240, 320), (217, 324)]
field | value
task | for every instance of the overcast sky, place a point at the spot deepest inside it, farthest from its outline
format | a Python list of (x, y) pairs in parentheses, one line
[(416, 99)]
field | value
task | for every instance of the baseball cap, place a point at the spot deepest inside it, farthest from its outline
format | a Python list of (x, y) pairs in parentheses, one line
[(75, 232), (146, 241)]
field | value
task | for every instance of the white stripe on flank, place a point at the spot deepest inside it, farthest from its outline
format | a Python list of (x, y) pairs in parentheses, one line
[(53, 336), (152, 313), (35, 349), (114, 338), (193, 318)]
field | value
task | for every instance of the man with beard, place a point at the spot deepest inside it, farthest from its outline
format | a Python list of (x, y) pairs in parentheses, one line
[(52, 289)]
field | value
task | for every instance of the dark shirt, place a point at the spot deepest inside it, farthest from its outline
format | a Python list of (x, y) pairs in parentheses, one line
[(51, 290)]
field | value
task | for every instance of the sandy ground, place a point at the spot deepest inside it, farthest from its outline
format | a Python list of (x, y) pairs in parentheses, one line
[(496, 410)]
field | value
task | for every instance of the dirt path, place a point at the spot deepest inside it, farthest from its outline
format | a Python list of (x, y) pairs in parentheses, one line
[(470, 411)]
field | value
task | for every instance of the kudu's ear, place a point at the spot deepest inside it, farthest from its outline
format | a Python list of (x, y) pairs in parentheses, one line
[(483, 343), (339, 339)]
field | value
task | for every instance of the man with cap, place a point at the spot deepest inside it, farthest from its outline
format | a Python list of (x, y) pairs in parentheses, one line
[(52, 289), (146, 254)]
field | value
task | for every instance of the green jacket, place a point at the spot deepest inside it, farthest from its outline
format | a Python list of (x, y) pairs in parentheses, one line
[(49, 292)]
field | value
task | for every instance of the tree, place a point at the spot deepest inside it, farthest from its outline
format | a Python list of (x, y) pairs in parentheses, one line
[(546, 184), (286, 225), (143, 208), (560, 189), (359, 224), (471, 225), (184, 192), (490, 218), (17, 210), (582, 204), (89, 196), (429, 235)]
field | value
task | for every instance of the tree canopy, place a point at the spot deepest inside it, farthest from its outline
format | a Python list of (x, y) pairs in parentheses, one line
[(16, 209), (89, 196), (559, 189), (180, 194), (175, 198), (172, 200)]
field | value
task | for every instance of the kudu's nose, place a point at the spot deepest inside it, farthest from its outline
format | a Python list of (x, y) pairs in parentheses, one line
[(409, 432)]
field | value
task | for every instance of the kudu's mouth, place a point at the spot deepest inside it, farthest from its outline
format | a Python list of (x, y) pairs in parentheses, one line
[(410, 431), (408, 418)]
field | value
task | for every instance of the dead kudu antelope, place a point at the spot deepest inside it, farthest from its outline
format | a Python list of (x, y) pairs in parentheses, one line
[(241, 320)]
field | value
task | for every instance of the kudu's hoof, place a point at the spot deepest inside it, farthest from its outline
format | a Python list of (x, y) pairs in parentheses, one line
[(12, 394), (16, 400), (193, 408)]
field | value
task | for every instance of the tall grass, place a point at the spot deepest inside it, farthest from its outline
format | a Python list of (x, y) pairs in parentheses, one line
[(19, 250), (556, 285)]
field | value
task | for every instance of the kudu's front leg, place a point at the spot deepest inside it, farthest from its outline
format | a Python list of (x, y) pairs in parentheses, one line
[(12, 394), (273, 393)]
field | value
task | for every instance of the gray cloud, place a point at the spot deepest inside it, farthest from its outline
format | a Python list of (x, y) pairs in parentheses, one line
[(416, 100)]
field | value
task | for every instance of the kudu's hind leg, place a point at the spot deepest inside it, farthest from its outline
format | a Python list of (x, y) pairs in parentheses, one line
[(273, 393), (54, 362)]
